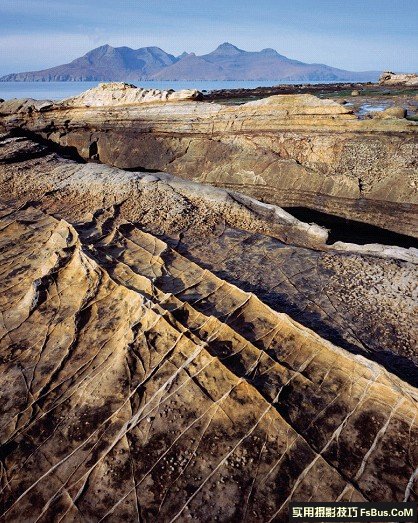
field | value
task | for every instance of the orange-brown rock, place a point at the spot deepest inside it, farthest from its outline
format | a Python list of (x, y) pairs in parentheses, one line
[(289, 150), (142, 379)]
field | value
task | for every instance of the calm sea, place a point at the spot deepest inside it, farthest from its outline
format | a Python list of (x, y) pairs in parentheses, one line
[(59, 90)]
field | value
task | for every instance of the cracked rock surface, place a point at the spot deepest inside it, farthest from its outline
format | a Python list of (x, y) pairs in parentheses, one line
[(158, 355)]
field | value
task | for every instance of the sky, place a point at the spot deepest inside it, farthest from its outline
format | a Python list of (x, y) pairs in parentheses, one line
[(356, 35)]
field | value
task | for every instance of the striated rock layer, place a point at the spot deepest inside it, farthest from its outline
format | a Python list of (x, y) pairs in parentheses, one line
[(138, 384), (289, 150), (115, 93)]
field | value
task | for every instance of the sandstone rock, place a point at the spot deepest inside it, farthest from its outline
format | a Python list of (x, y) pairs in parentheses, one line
[(390, 112), (385, 251), (299, 104), (389, 78), (288, 150), (141, 381), (355, 93), (184, 383), (119, 94), (206, 222)]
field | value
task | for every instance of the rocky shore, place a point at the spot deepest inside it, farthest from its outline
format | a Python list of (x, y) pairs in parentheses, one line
[(392, 91), (174, 350), (263, 92), (288, 150)]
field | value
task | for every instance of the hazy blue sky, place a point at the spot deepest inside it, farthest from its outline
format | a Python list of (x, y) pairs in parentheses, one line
[(351, 34)]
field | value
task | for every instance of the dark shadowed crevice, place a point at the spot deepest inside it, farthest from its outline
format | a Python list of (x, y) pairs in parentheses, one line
[(94, 151), (140, 169), (351, 231), (69, 153)]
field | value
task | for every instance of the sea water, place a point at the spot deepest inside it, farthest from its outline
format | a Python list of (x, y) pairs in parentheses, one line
[(60, 90)]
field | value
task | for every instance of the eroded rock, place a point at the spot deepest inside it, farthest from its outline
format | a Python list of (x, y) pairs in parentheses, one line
[(391, 112), (289, 150), (149, 372), (119, 93), (389, 78), (138, 385)]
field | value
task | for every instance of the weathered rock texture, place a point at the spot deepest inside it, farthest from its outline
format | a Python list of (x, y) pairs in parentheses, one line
[(292, 150), (137, 384), (389, 78), (116, 93)]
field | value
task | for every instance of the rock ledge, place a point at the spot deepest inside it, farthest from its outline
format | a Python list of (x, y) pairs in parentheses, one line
[(120, 93)]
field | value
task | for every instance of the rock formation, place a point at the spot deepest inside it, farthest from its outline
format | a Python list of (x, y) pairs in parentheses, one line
[(289, 150), (115, 94), (389, 78), (171, 350), (390, 112), (148, 369)]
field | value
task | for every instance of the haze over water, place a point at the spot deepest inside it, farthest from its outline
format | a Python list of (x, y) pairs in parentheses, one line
[(60, 90)]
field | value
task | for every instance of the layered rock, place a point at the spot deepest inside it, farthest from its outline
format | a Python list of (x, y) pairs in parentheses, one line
[(115, 94), (360, 297), (389, 78), (294, 150), (137, 384)]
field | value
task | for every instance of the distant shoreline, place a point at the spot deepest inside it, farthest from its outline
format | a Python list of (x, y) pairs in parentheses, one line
[(225, 91), (273, 82), (59, 90)]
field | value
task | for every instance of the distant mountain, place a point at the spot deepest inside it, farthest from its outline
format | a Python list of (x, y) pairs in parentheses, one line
[(226, 62), (105, 63)]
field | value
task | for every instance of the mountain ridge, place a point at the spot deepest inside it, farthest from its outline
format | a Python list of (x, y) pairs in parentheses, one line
[(226, 62)]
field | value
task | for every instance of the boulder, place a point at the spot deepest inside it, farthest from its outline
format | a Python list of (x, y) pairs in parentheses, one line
[(119, 93), (389, 78), (390, 112)]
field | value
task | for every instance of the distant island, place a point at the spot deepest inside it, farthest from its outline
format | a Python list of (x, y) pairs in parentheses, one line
[(226, 62)]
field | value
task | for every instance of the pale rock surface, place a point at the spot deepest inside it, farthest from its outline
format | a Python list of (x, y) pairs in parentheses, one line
[(119, 93), (389, 78)]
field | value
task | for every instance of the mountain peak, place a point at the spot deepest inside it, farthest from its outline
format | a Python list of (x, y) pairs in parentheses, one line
[(226, 62), (227, 49), (269, 51), (182, 55), (101, 51), (101, 48)]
